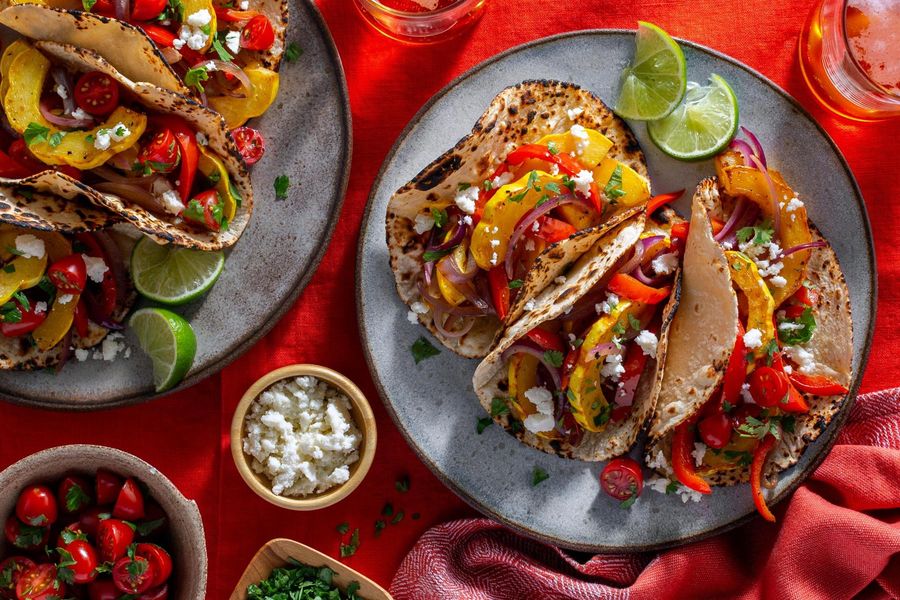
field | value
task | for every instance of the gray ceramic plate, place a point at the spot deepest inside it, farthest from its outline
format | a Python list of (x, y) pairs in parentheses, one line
[(433, 403), (278, 253)]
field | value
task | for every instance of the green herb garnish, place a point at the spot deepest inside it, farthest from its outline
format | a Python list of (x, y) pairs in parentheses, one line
[(538, 475), (422, 349), (282, 183)]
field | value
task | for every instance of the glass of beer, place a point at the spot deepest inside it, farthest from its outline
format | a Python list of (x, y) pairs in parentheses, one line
[(420, 21), (850, 57)]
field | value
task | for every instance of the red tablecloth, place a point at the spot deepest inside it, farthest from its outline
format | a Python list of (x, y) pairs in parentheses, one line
[(186, 435)]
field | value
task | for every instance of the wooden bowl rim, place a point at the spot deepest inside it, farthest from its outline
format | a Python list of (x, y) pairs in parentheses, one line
[(367, 428)]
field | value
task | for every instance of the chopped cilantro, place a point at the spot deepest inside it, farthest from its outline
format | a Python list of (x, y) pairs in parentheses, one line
[(516, 284), (554, 358), (35, 133), (292, 52), (10, 268), (788, 422), (22, 299), (397, 517), (440, 217), (613, 189), (552, 148), (760, 428), (195, 76), (351, 548), (463, 186), (634, 322), (618, 329), (433, 255), (483, 423), (672, 487), (727, 406), (552, 187), (802, 335), (379, 526), (220, 49), (538, 475), (343, 528), (499, 407), (761, 234), (422, 349), (388, 509), (88, 4), (567, 181), (282, 183), (631, 499), (770, 349), (56, 139)]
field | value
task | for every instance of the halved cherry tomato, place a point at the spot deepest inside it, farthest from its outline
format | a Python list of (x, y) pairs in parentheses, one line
[(161, 154), (89, 522), (553, 230), (626, 286), (190, 151), (622, 479), (736, 372), (795, 402), (96, 93), (24, 536), (499, 285), (206, 210), (250, 144), (164, 38), (817, 384), (660, 200), (85, 561), (108, 485), (74, 494), (80, 318), (30, 321), (147, 10), (133, 575), (20, 153), (68, 274), (566, 164), (113, 538), (258, 34), (756, 468), (740, 415), (103, 589), (40, 583), (768, 387), (11, 571), (679, 231), (807, 296), (37, 506), (683, 462), (159, 560), (546, 339), (11, 168), (155, 519), (634, 363), (715, 430), (230, 15), (130, 503)]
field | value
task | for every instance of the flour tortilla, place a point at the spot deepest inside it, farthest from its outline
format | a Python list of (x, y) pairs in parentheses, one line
[(591, 270), (518, 115), (51, 201), (162, 228), (831, 346)]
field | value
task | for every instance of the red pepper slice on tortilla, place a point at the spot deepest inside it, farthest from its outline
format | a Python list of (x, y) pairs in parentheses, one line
[(190, 152), (163, 38), (566, 164), (817, 384), (626, 286), (795, 402), (756, 468), (656, 202), (553, 230), (105, 305), (11, 168), (485, 195), (547, 340), (683, 462), (736, 371), (568, 365), (499, 285), (230, 15)]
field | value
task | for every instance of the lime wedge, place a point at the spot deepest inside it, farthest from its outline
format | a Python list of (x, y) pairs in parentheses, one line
[(702, 125), (172, 275), (654, 83), (168, 340)]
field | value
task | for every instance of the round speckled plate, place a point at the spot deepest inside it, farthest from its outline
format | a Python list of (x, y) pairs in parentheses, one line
[(274, 259), (433, 403)]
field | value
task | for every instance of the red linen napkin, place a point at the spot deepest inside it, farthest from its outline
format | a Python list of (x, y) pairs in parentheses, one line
[(837, 537)]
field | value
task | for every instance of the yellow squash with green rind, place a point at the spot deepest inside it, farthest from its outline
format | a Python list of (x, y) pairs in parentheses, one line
[(522, 374), (214, 169), (236, 111), (636, 188), (58, 321), (760, 305), (189, 7)]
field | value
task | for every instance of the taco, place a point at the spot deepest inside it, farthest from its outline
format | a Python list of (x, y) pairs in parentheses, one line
[(226, 53), (140, 153), (547, 170), (761, 347), (578, 375), (59, 294)]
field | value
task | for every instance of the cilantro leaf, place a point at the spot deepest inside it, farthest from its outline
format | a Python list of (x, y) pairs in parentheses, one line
[(554, 358), (35, 133), (351, 548), (402, 484), (613, 189), (219, 47), (793, 335), (433, 255), (552, 148), (292, 52), (195, 76), (499, 407), (516, 284), (440, 217), (538, 475), (281, 185), (761, 234), (483, 423), (343, 528), (88, 4), (422, 349)]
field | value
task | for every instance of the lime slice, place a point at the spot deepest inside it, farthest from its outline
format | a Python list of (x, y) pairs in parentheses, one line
[(702, 125), (168, 340), (173, 275), (654, 83)]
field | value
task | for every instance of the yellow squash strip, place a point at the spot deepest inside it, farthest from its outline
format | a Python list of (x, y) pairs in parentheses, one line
[(591, 152), (760, 305), (452, 295), (636, 188), (237, 110), (212, 168)]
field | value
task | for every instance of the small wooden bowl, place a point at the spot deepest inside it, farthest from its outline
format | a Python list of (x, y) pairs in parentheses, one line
[(280, 552), (362, 415)]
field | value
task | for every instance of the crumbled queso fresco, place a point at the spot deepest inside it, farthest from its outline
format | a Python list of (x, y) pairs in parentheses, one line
[(301, 436)]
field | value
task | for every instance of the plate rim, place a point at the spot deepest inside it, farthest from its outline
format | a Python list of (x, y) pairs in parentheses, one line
[(828, 440), (244, 344)]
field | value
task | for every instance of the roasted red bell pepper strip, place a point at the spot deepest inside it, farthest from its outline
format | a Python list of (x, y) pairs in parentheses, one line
[(817, 384), (190, 153), (662, 199), (756, 470), (683, 462), (736, 372), (108, 298), (553, 230), (568, 366), (546, 340), (485, 195), (229, 15), (499, 285), (634, 363), (80, 318), (164, 38), (807, 296), (626, 286), (11, 168), (566, 164), (794, 311), (795, 402)]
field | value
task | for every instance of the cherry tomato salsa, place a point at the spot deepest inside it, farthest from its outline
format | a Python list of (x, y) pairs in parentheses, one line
[(99, 537)]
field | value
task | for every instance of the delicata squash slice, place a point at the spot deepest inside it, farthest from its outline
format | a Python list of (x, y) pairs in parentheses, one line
[(134, 151), (579, 374), (761, 346), (547, 170)]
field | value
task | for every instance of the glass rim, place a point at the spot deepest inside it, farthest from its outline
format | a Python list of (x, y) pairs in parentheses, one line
[(845, 5), (415, 16)]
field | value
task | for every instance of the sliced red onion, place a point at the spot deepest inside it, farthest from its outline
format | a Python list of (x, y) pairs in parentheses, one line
[(773, 195), (602, 350), (625, 392), (743, 148), (116, 263), (635, 259), (757, 147), (638, 274), (133, 193), (203, 99), (62, 79), (451, 271), (799, 247), (438, 317), (233, 70), (453, 241), (428, 272), (526, 222), (123, 9), (171, 55), (60, 120), (436, 302), (539, 354), (736, 214)]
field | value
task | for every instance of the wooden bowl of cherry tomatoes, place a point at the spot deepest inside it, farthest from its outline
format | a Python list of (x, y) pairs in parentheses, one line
[(98, 523)]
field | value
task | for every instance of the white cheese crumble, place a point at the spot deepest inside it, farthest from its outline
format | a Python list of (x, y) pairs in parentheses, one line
[(119, 132), (201, 138), (659, 463), (612, 366), (233, 41), (542, 420), (467, 220), (745, 394), (191, 33), (494, 259), (647, 340), (96, 268), (101, 139), (163, 190), (664, 263), (753, 339), (416, 309), (82, 354), (582, 140), (300, 435), (583, 182), (199, 18), (465, 199), (698, 453), (40, 307), (554, 169), (529, 306), (573, 113), (245, 4), (30, 246), (80, 114), (65, 298), (423, 223), (794, 204), (608, 305), (806, 361), (788, 368), (501, 180), (788, 326), (495, 243), (778, 281), (61, 91)]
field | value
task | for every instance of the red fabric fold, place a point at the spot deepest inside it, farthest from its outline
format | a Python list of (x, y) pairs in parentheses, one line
[(837, 537)]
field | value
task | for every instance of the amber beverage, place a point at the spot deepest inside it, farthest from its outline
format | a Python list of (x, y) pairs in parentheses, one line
[(420, 21), (850, 57)]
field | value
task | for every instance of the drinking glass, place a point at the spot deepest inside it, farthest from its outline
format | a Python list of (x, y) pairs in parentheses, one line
[(420, 21), (850, 57)]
